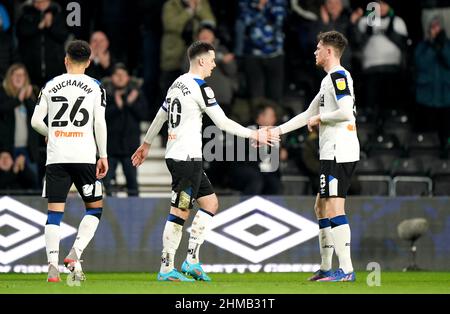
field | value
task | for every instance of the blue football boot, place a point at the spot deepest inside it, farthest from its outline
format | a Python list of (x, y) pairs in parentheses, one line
[(194, 270), (339, 275), (173, 275)]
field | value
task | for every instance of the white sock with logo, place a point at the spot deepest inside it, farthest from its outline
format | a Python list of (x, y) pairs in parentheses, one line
[(86, 232), (52, 239), (199, 229), (326, 248), (340, 231), (172, 234)]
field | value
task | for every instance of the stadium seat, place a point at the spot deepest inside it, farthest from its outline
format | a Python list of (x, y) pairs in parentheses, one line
[(423, 143), (398, 123), (372, 178), (384, 144), (409, 178), (296, 185), (440, 173)]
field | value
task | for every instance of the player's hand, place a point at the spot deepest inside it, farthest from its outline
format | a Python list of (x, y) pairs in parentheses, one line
[(140, 154), (102, 168), (313, 121), (263, 136)]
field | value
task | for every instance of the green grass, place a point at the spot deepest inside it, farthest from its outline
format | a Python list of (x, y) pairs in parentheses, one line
[(254, 283)]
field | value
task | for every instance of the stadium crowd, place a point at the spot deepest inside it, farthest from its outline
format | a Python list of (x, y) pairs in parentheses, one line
[(265, 74)]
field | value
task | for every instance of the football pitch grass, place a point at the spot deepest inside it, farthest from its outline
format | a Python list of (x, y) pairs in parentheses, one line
[(251, 283)]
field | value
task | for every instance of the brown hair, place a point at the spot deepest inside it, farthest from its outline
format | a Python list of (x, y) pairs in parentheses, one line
[(334, 39), (197, 48), (7, 82)]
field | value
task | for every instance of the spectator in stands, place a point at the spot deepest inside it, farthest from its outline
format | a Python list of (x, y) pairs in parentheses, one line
[(254, 177), (7, 55), (150, 12), (334, 16), (181, 21), (101, 58), (263, 22), (14, 175), (383, 48), (125, 110), (41, 31), (223, 79), (432, 60), (17, 101)]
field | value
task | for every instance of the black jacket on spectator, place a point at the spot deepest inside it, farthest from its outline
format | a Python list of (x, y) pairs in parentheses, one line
[(12, 181), (97, 71), (8, 124), (42, 51), (124, 124), (7, 55)]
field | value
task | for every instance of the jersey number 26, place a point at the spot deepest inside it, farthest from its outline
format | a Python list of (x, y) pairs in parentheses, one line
[(57, 122)]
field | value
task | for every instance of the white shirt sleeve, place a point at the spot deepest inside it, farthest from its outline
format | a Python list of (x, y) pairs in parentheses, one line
[(100, 125), (302, 119), (39, 114), (225, 124), (344, 113), (156, 125)]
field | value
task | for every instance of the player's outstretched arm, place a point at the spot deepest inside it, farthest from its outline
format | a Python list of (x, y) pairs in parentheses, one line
[(141, 152), (225, 124), (299, 120)]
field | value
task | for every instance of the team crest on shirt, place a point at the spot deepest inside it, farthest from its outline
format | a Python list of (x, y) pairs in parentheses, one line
[(340, 83), (209, 92)]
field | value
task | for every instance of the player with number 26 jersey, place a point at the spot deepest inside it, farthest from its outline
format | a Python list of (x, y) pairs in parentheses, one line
[(73, 103)]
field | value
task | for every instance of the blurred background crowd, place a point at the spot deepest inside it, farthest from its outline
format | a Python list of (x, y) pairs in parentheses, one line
[(265, 75)]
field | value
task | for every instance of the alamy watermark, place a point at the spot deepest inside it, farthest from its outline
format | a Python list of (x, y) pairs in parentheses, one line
[(374, 277), (74, 17), (374, 15), (228, 147)]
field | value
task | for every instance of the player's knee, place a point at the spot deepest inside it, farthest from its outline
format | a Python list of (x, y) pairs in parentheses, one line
[(214, 205), (54, 218), (318, 209), (96, 212)]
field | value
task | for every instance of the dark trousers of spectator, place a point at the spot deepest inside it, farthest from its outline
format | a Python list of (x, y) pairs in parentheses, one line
[(383, 91), (265, 77), (129, 171), (32, 166), (250, 180), (431, 119)]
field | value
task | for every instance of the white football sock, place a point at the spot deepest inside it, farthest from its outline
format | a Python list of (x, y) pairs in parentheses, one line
[(326, 248), (341, 239), (86, 231), (52, 238), (171, 240), (199, 229)]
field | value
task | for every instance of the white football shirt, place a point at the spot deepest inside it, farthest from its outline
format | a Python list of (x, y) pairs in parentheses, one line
[(337, 139), (186, 100), (75, 107)]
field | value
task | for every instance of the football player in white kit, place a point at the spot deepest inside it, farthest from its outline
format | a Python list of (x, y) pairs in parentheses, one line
[(75, 106), (333, 110), (186, 101)]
